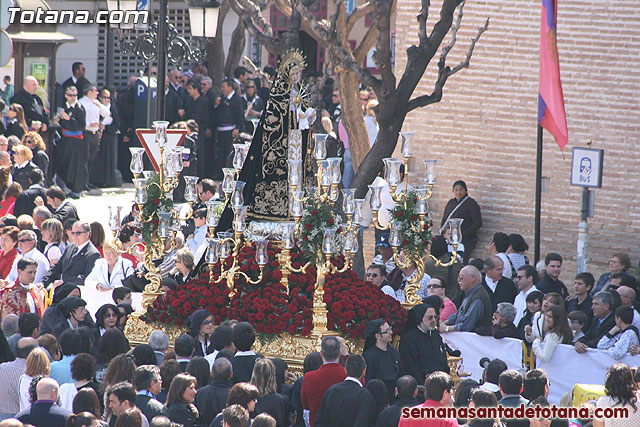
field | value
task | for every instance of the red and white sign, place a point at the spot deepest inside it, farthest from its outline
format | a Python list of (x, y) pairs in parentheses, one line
[(147, 138)]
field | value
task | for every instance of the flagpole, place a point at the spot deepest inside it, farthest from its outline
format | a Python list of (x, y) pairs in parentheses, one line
[(536, 250)]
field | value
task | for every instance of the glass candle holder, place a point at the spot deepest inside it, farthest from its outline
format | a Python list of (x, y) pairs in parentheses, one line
[(320, 146), (225, 244), (161, 132), (114, 217), (357, 211), (164, 222), (239, 155), (328, 237), (288, 235), (295, 169), (295, 203), (348, 204), (392, 171), (229, 177), (422, 192), (262, 258), (239, 218), (430, 172), (455, 230), (405, 149), (376, 197), (214, 211), (137, 163), (334, 169), (141, 190), (325, 172), (395, 239), (212, 250), (237, 197), (191, 188)]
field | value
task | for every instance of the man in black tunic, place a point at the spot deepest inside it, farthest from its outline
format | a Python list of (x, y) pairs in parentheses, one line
[(72, 150), (230, 117), (31, 103), (383, 360), (198, 110), (77, 78), (421, 347)]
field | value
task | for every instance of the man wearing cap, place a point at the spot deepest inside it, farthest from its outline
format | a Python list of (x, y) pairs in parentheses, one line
[(383, 360), (421, 347), (385, 253)]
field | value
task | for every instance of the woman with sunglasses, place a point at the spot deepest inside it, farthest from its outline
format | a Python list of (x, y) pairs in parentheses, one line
[(438, 286), (34, 141), (17, 124), (201, 323), (106, 318)]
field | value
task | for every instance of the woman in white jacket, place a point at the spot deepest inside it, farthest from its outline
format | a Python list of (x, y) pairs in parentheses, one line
[(110, 271), (557, 331)]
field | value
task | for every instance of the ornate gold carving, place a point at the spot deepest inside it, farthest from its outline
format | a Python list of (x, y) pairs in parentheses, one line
[(138, 331)]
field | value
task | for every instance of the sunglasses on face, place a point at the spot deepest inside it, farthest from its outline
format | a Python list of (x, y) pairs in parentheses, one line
[(433, 286), (25, 240), (206, 322), (77, 233), (371, 274)]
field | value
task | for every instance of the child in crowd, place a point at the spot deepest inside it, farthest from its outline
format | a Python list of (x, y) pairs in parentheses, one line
[(534, 302), (577, 321), (536, 330)]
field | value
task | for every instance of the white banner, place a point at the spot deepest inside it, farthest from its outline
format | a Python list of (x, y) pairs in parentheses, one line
[(474, 347), (568, 368)]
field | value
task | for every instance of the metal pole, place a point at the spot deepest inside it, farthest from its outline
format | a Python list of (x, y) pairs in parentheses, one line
[(110, 60), (536, 251), (583, 232), (162, 59)]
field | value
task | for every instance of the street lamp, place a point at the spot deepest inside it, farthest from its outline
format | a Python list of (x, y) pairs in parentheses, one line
[(203, 17), (162, 41)]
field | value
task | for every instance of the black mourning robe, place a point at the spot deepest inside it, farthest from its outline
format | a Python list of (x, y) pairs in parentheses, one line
[(422, 353), (383, 365)]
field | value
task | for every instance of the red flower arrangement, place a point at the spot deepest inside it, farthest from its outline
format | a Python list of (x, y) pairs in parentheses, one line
[(175, 306), (351, 302)]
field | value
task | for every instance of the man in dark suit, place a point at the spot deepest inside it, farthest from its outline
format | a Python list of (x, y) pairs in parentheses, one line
[(406, 391), (77, 260), (348, 403), (77, 78), (212, 398), (184, 346), (60, 207), (148, 385), (31, 103), (230, 118), (510, 383), (72, 151), (173, 103), (315, 383), (25, 202), (45, 411), (499, 288), (603, 321)]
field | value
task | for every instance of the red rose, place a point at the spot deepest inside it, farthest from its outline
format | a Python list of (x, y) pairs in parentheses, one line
[(306, 331), (155, 221), (400, 213), (156, 201), (292, 329), (314, 212), (308, 227), (405, 242), (330, 221), (277, 275), (414, 217)]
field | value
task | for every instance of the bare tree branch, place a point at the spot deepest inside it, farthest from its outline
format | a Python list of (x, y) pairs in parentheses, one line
[(253, 11), (422, 21), (319, 28), (465, 62), (358, 13), (368, 41), (454, 34), (382, 57), (445, 72), (270, 43)]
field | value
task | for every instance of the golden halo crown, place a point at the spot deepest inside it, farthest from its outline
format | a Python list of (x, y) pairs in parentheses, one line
[(292, 58)]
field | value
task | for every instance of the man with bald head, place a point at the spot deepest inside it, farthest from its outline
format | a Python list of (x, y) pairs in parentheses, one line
[(627, 298), (499, 287), (31, 103), (10, 373), (45, 412), (475, 309)]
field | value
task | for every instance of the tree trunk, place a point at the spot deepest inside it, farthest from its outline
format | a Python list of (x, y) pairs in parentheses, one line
[(238, 41), (215, 49)]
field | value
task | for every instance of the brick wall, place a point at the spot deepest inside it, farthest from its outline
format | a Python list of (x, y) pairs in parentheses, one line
[(484, 130)]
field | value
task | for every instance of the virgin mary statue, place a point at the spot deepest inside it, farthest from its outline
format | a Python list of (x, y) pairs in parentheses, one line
[(281, 135)]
